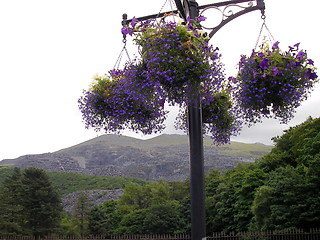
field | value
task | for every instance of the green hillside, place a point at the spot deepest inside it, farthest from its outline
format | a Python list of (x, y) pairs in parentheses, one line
[(163, 140), (253, 150), (67, 182)]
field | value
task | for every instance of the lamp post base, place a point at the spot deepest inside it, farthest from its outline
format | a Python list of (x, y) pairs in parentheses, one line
[(198, 226)]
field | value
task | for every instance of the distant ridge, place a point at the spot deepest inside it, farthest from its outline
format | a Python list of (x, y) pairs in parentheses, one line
[(162, 157)]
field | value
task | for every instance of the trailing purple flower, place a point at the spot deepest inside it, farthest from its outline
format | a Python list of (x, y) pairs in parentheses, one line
[(220, 117), (272, 84), (123, 100), (174, 57)]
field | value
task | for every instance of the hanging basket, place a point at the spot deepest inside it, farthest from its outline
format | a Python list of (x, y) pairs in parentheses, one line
[(115, 103), (176, 54), (220, 118), (272, 83), (174, 58)]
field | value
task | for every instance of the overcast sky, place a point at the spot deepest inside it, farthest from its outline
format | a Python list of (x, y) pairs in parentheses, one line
[(51, 49)]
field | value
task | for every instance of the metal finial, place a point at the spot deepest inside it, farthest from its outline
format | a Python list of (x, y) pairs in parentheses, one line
[(124, 19), (124, 23)]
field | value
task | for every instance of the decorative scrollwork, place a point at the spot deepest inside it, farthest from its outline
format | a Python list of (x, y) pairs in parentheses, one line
[(226, 11), (230, 12)]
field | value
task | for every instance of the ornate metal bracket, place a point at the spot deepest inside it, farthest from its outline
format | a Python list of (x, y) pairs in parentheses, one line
[(227, 13), (225, 9)]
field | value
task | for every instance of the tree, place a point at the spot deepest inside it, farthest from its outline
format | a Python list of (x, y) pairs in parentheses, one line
[(230, 197), (157, 207), (293, 146), (80, 213), (41, 203), (135, 196), (67, 226), (293, 173), (163, 218), (261, 208), (11, 211), (212, 181), (132, 223), (287, 198), (178, 190), (252, 179), (104, 219)]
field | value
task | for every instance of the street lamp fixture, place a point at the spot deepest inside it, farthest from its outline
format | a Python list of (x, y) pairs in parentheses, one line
[(191, 9)]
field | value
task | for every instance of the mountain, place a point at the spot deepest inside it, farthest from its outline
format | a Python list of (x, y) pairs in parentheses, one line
[(163, 157)]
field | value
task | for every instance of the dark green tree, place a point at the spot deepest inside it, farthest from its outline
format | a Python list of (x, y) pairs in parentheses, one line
[(285, 199), (41, 203), (80, 213), (261, 208), (104, 219), (230, 198), (290, 198), (11, 211), (178, 190), (67, 226), (163, 218), (212, 181), (293, 145), (132, 223), (135, 196), (157, 207)]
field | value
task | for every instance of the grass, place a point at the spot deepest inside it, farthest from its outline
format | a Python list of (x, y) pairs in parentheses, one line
[(71, 182), (245, 149), (67, 182)]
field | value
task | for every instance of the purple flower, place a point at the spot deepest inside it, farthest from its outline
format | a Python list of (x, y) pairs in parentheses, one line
[(134, 22), (190, 26), (115, 72), (126, 31), (300, 55), (253, 53), (201, 18), (275, 71), (275, 45), (285, 81), (297, 64), (296, 45), (232, 79), (310, 62), (310, 74), (264, 63), (134, 97)]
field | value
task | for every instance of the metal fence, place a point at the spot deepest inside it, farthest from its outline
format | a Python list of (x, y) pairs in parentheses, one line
[(313, 234)]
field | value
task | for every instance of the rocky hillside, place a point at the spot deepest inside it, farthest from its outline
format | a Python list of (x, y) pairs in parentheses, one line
[(95, 197), (163, 157)]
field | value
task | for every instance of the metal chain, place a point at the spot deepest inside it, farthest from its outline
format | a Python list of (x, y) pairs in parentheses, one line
[(264, 25), (124, 49), (171, 4), (165, 2)]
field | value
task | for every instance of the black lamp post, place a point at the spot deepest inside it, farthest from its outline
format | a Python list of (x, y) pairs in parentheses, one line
[(191, 9)]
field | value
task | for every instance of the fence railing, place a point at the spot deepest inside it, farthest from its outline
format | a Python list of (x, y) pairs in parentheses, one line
[(313, 234)]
